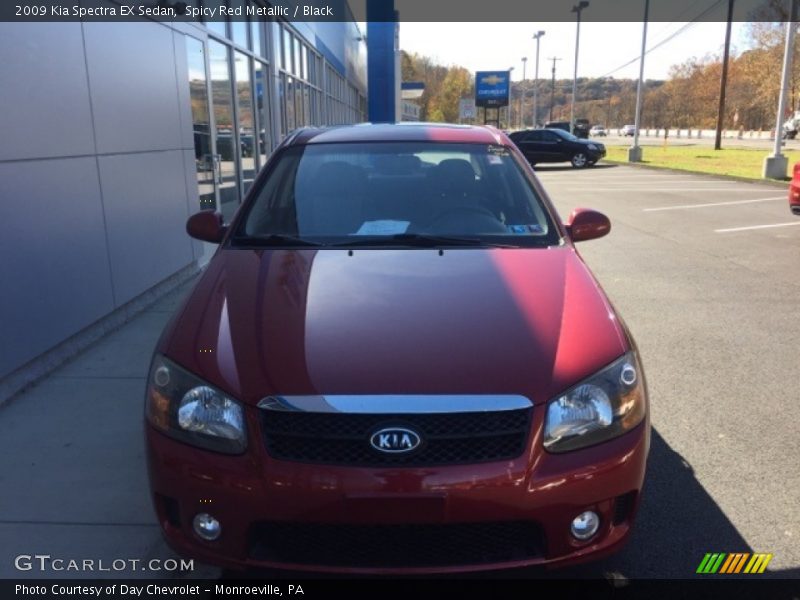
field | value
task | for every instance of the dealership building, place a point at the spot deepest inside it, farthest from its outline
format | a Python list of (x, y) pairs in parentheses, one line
[(113, 133)]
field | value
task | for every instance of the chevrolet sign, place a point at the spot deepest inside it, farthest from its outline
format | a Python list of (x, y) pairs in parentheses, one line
[(491, 88)]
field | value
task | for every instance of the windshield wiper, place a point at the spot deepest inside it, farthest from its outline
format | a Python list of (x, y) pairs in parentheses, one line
[(418, 240), (273, 239)]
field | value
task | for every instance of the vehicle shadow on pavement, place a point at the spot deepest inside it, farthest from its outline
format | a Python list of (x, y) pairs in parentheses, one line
[(678, 522), (568, 167)]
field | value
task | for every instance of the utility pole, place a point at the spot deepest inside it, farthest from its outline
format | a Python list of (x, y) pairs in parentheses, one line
[(775, 164), (576, 9), (522, 100), (723, 83), (553, 87), (510, 101), (536, 36)]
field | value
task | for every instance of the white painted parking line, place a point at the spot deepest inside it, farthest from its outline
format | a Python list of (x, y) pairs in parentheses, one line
[(733, 229), (687, 206)]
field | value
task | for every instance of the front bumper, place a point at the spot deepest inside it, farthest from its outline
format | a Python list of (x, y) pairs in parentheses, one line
[(595, 155), (248, 491)]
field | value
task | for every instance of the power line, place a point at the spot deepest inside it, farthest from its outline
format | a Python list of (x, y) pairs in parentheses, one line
[(669, 38), (675, 22)]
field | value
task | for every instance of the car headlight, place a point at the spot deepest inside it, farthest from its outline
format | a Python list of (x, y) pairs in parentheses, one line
[(592, 146), (185, 407), (599, 408)]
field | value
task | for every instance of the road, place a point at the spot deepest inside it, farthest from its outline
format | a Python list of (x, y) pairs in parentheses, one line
[(705, 273)]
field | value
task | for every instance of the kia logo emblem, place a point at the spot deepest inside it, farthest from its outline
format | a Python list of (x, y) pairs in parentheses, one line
[(395, 440)]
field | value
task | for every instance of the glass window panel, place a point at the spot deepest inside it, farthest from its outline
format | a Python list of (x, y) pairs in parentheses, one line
[(281, 49), (282, 103), (201, 127), (297, 68), (222, 94), (287, 50), (262, 110), (256, 27), (307, 106), (289, 105), (218, 25), (298, 104), (247, 119), (238, 24)]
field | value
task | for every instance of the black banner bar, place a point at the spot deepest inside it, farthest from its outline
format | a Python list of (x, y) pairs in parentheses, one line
[(534, 11), (407, 589)]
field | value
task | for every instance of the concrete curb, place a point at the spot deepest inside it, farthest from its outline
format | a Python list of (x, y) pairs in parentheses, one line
[(40, 367), (772, 182)]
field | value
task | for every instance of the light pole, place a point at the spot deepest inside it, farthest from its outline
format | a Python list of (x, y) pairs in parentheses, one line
[(536, 36), (521, 116), (553, 86), (576, 9), (776, 163), (510, 99), (635, 151)]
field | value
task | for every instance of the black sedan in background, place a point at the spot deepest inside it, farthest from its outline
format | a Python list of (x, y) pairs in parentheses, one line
[(556, 145)]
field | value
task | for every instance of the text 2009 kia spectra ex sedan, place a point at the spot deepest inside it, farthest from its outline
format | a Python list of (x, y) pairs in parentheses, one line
[(396, 362)]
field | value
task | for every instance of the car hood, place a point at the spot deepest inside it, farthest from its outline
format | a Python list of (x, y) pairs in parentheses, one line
[(386, 321)]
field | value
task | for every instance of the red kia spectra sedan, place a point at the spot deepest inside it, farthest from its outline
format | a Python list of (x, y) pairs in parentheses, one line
[(396, 362)]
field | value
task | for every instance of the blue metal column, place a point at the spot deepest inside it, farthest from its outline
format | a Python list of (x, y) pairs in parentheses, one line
[(381, 76)]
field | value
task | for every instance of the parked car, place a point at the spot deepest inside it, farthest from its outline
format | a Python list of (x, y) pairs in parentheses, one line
[(556, 145), (396, 362), (563, 125), (628, 130), (794, 190), (581, 127), (598, 131), (791, 126)]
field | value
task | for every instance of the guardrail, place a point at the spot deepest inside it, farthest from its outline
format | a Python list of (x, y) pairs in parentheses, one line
[(739, 134)]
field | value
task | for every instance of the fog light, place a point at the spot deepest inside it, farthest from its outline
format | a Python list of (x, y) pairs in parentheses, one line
[(585, 525), (206, 526)]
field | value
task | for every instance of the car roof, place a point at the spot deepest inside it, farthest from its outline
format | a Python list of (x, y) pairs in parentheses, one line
[(397, 132)]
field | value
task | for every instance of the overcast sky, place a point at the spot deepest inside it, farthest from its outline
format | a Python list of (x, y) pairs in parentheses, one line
[(603, 46)]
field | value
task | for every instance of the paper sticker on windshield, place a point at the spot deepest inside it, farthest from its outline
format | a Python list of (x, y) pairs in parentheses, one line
[(522, 229), (383, 227), (498, 151)]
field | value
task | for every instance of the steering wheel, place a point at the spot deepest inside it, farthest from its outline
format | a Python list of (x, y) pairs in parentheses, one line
[(449, 213)]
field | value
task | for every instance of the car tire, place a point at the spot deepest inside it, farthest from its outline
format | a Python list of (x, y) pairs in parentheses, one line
[(579, 160)]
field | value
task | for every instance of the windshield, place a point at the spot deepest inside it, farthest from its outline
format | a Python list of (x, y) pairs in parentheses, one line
[(410, 193)]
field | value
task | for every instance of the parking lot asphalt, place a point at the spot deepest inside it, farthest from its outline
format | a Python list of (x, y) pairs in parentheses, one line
[(705, 273), (710, 298)]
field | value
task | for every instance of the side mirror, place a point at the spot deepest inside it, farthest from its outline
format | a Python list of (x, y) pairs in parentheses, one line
[(587, 224), (206, 226)]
